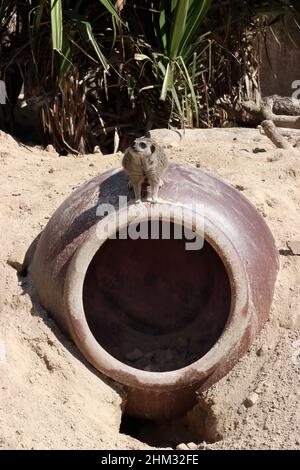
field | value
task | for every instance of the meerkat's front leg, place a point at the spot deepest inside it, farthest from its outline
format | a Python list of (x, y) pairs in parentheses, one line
[(154, 185), (137, 188)]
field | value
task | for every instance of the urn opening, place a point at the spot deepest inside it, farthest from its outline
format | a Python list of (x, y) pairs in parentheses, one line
[(154, 305)]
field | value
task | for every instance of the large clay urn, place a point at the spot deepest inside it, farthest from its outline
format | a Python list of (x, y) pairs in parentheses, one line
[(163, 320)]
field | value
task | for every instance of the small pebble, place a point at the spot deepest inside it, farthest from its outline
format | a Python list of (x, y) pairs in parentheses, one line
[(251, 400), (51, 170), (97, 149), (202, 445), (182, 446), (134, 355), (258, 150), (240, 187), (192, 445), (50, 148), (261, 352)]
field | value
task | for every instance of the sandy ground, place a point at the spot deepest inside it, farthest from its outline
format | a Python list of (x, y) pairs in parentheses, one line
[(51, 398)]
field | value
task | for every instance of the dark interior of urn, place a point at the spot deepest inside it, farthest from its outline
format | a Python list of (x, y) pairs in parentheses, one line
[(154, 305)]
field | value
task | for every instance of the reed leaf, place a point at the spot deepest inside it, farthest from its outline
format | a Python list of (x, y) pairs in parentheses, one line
[(56, 24)]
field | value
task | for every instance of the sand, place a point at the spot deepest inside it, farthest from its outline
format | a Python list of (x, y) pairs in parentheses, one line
[(51, 398)]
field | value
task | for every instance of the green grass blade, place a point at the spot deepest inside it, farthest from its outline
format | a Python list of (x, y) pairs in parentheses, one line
[(109, 6), (56, 24), (38, 16), (87, 29), (168, 79), (177, 103), (196, 14), (162, 30), (65, 64), (192, 90), (178, 27)]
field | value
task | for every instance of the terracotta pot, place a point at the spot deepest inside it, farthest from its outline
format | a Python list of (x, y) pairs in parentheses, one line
[(186, 316)]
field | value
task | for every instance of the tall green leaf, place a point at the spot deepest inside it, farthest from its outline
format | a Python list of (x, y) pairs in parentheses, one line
[(56, 24), (196, 14), (168, 79), (87, 29), (109, 6), (178, 27)]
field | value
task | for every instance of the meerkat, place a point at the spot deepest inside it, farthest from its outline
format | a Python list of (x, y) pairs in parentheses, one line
[(144, 161)]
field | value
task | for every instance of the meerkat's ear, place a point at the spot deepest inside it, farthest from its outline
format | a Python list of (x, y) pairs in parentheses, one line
[(152, 148)]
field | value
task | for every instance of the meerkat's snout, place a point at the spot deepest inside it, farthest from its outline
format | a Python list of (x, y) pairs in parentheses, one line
[(143, 147)]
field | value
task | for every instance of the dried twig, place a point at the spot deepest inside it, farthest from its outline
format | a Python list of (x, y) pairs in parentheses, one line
[(270, 120), (274, 135), (265, 112)]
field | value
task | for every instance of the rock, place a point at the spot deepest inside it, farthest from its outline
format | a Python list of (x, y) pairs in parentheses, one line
[(91, 164), (261, 351), (251, 400), (294, 246), (17, 259), (52, 170), (182, 446), (240, 187), (97, 149), (50, 149), (166, 137), (259, 150), (134, 355), (192, 445), (202, 445)]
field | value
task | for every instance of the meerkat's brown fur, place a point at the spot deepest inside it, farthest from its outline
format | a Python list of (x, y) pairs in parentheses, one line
[(145, 160)]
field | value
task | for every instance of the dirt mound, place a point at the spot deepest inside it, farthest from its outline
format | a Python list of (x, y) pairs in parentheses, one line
[(50, 397)]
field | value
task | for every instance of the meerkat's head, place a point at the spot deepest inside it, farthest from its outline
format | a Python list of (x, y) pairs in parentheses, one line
[(143, 146)]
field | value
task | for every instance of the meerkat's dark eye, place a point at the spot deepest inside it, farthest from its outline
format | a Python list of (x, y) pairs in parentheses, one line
[(143, 145), (152, 148)]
